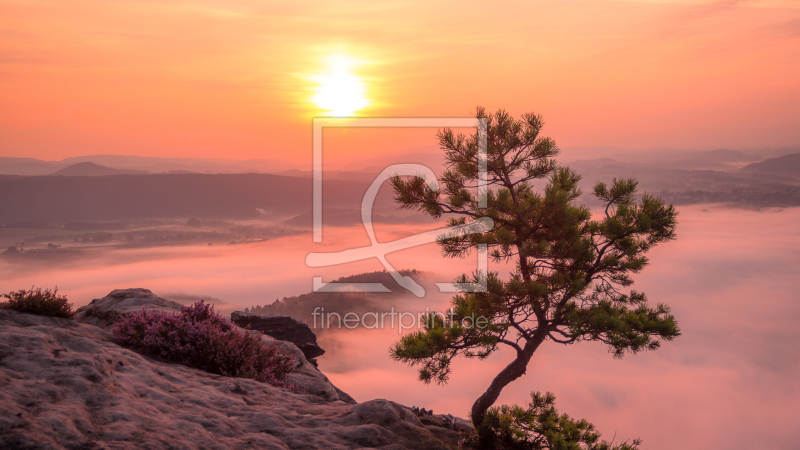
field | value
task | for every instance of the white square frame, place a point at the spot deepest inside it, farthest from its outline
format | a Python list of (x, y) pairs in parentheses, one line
[(320, 123)]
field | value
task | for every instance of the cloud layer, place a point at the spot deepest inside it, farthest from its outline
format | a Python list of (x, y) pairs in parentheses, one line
[(728, 382)]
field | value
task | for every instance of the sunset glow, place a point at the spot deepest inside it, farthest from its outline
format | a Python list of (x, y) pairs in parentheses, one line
[(395, 208), (339, 91), (207, 78)]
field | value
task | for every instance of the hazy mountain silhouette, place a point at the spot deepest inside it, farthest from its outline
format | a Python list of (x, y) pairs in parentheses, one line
[(90, 198), (678, 159), (201, 165), (303, 306), (92, 169), (787, 165), (84, 197), (28, 166), (32, 166)]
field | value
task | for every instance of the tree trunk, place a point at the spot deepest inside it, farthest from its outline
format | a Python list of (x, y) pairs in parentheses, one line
[(511, 372)]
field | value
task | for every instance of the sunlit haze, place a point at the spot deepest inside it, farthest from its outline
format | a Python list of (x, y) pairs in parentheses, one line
[(243, 79)]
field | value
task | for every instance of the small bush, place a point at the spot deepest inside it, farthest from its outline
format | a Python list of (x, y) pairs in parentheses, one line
[(539, 426), (41, 302), (198, 337)]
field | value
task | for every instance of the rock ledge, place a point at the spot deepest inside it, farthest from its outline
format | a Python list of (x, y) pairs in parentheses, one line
[(284, 328), (67, 385)]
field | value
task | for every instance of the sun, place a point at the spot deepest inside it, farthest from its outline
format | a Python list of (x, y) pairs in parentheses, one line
[(338, 90)]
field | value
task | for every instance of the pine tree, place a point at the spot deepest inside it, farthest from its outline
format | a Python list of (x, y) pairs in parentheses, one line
[(571, 269)]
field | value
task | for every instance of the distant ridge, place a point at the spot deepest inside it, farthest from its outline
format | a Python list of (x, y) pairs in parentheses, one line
[(302, 307), (61, 199), (31, 166), (92, 169), (787, 165)]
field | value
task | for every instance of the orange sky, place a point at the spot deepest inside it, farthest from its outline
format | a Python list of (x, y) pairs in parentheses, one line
[(234, 78)]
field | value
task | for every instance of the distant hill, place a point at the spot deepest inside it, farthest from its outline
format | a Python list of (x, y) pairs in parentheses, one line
[(787, 165), (716, 159), (32, 166), (92, 170), (303, 306), (28, 166), (61, 199), (727, 156)]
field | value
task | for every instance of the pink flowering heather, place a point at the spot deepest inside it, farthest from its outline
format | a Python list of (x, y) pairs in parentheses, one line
[(198, 337)]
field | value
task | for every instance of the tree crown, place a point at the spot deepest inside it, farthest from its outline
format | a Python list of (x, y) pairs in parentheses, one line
[(570, 268)]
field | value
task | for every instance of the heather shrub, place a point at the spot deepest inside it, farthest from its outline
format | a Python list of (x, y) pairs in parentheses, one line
[(198, 337), (41, 302)]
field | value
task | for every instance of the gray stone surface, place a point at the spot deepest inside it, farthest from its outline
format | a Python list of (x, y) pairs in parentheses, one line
[(67, 385), (306, 375), (105, 312)]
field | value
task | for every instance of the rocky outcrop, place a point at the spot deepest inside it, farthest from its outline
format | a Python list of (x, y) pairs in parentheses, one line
[(307, 376), (448, 421), (105, 312), (285, 328), (68, 385)]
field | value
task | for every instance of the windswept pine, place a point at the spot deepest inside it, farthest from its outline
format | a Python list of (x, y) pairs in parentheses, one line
[(571, 267)]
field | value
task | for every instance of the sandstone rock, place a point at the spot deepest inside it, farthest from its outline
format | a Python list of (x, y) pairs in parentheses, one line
[(443, 420), (105, 312), (67, 385), (285, 328), (307, 376)]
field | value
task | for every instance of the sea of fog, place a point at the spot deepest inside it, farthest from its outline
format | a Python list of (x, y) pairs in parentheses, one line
[(731, 278)]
